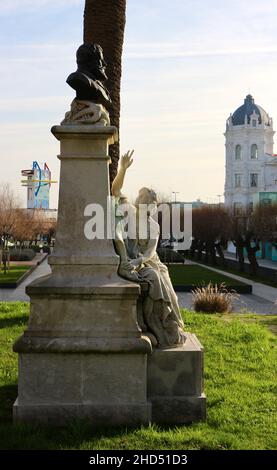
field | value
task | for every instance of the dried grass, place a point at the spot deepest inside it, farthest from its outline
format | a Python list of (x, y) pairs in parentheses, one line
[(213, 299)]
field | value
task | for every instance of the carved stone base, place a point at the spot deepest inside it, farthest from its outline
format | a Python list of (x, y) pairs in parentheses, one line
[(175, 383), (86, 112), (107, 389), (83, 354), (100, 415)]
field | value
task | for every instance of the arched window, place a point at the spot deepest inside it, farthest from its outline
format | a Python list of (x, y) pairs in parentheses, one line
[(238, 152), (254, 151)]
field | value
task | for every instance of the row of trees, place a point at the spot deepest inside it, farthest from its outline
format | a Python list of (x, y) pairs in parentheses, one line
[(20, 226), (213, 226)]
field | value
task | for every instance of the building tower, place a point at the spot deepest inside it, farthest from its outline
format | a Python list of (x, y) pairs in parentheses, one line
[(251, 167), (38, 184)]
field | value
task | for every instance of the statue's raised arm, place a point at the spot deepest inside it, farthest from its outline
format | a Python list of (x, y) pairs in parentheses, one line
[(124, 163)]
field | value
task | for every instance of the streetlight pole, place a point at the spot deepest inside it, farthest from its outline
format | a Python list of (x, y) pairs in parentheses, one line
[(171, 234), (175, 193), (219, 196)]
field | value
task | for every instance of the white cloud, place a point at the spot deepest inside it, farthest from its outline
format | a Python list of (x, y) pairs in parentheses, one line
[(167, 51), (43, 103), (60, 52), (185, 69), (12, 5)]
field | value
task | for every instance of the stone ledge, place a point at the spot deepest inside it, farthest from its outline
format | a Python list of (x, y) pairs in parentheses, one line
[(127, 414), (29, 344), (85, 132), (82, 260), (51, 286)]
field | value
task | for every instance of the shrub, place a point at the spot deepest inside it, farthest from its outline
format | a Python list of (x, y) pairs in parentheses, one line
[(22, 255), (213, 299), (41, 247), (36, 248), (167, 255)]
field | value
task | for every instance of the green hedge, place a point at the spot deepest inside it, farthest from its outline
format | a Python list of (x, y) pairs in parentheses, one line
[(26, 254)]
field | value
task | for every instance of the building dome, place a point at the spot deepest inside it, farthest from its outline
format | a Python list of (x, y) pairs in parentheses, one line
[(247, 109)]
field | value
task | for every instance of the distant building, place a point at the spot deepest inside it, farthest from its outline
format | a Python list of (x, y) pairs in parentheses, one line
[(265, 198), (196, 204), (251, 166), (38, 185)]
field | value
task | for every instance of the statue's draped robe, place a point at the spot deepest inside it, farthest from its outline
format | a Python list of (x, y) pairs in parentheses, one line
[(160, 308)]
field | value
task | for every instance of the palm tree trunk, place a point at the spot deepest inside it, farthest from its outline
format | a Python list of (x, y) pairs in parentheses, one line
[(104, 24)]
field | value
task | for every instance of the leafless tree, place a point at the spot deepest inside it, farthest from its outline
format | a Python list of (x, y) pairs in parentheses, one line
[(8, 209), (211, 227), (244, 237), (263, 223)]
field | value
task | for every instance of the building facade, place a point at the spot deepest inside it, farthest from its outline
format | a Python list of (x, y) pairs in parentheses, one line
[(251, 166), (38, 185)]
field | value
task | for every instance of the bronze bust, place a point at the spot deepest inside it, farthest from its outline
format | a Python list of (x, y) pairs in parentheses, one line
[(90, 75), (92, 97)]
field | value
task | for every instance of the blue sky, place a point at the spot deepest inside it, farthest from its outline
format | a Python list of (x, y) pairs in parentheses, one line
[(187, 65)]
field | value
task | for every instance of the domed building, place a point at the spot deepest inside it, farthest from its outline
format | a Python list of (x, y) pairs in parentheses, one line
[(251, 167)]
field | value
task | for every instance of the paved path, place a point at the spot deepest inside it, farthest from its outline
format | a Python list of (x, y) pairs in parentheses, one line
[(261, 290), (261, 301), (18, 294), (246, 303)]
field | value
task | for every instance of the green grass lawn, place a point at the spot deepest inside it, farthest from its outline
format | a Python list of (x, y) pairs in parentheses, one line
[(240, 384), (14, 273), (257, 278), (231, 270), (182, 274)]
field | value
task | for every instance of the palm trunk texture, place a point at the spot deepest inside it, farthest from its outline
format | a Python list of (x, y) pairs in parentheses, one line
[(104, 24)]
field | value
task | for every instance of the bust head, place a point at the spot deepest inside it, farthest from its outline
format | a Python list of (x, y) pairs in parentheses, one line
[(90, 59)]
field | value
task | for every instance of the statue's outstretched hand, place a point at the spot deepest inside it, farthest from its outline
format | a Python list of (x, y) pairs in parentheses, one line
[(126, 160)]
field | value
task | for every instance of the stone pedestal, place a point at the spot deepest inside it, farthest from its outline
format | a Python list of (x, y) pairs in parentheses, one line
[(175, 383), (83, 354)]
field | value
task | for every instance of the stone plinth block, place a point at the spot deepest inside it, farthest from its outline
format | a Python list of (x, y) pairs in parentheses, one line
[(83, 354), (89, 319), (175, 383), (107, 389)]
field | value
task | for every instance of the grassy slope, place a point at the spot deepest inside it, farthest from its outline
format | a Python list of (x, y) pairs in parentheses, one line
[(198, 276), (13, 274), (240, 371)]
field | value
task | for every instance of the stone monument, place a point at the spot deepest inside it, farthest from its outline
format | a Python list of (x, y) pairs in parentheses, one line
[(83, 354)]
